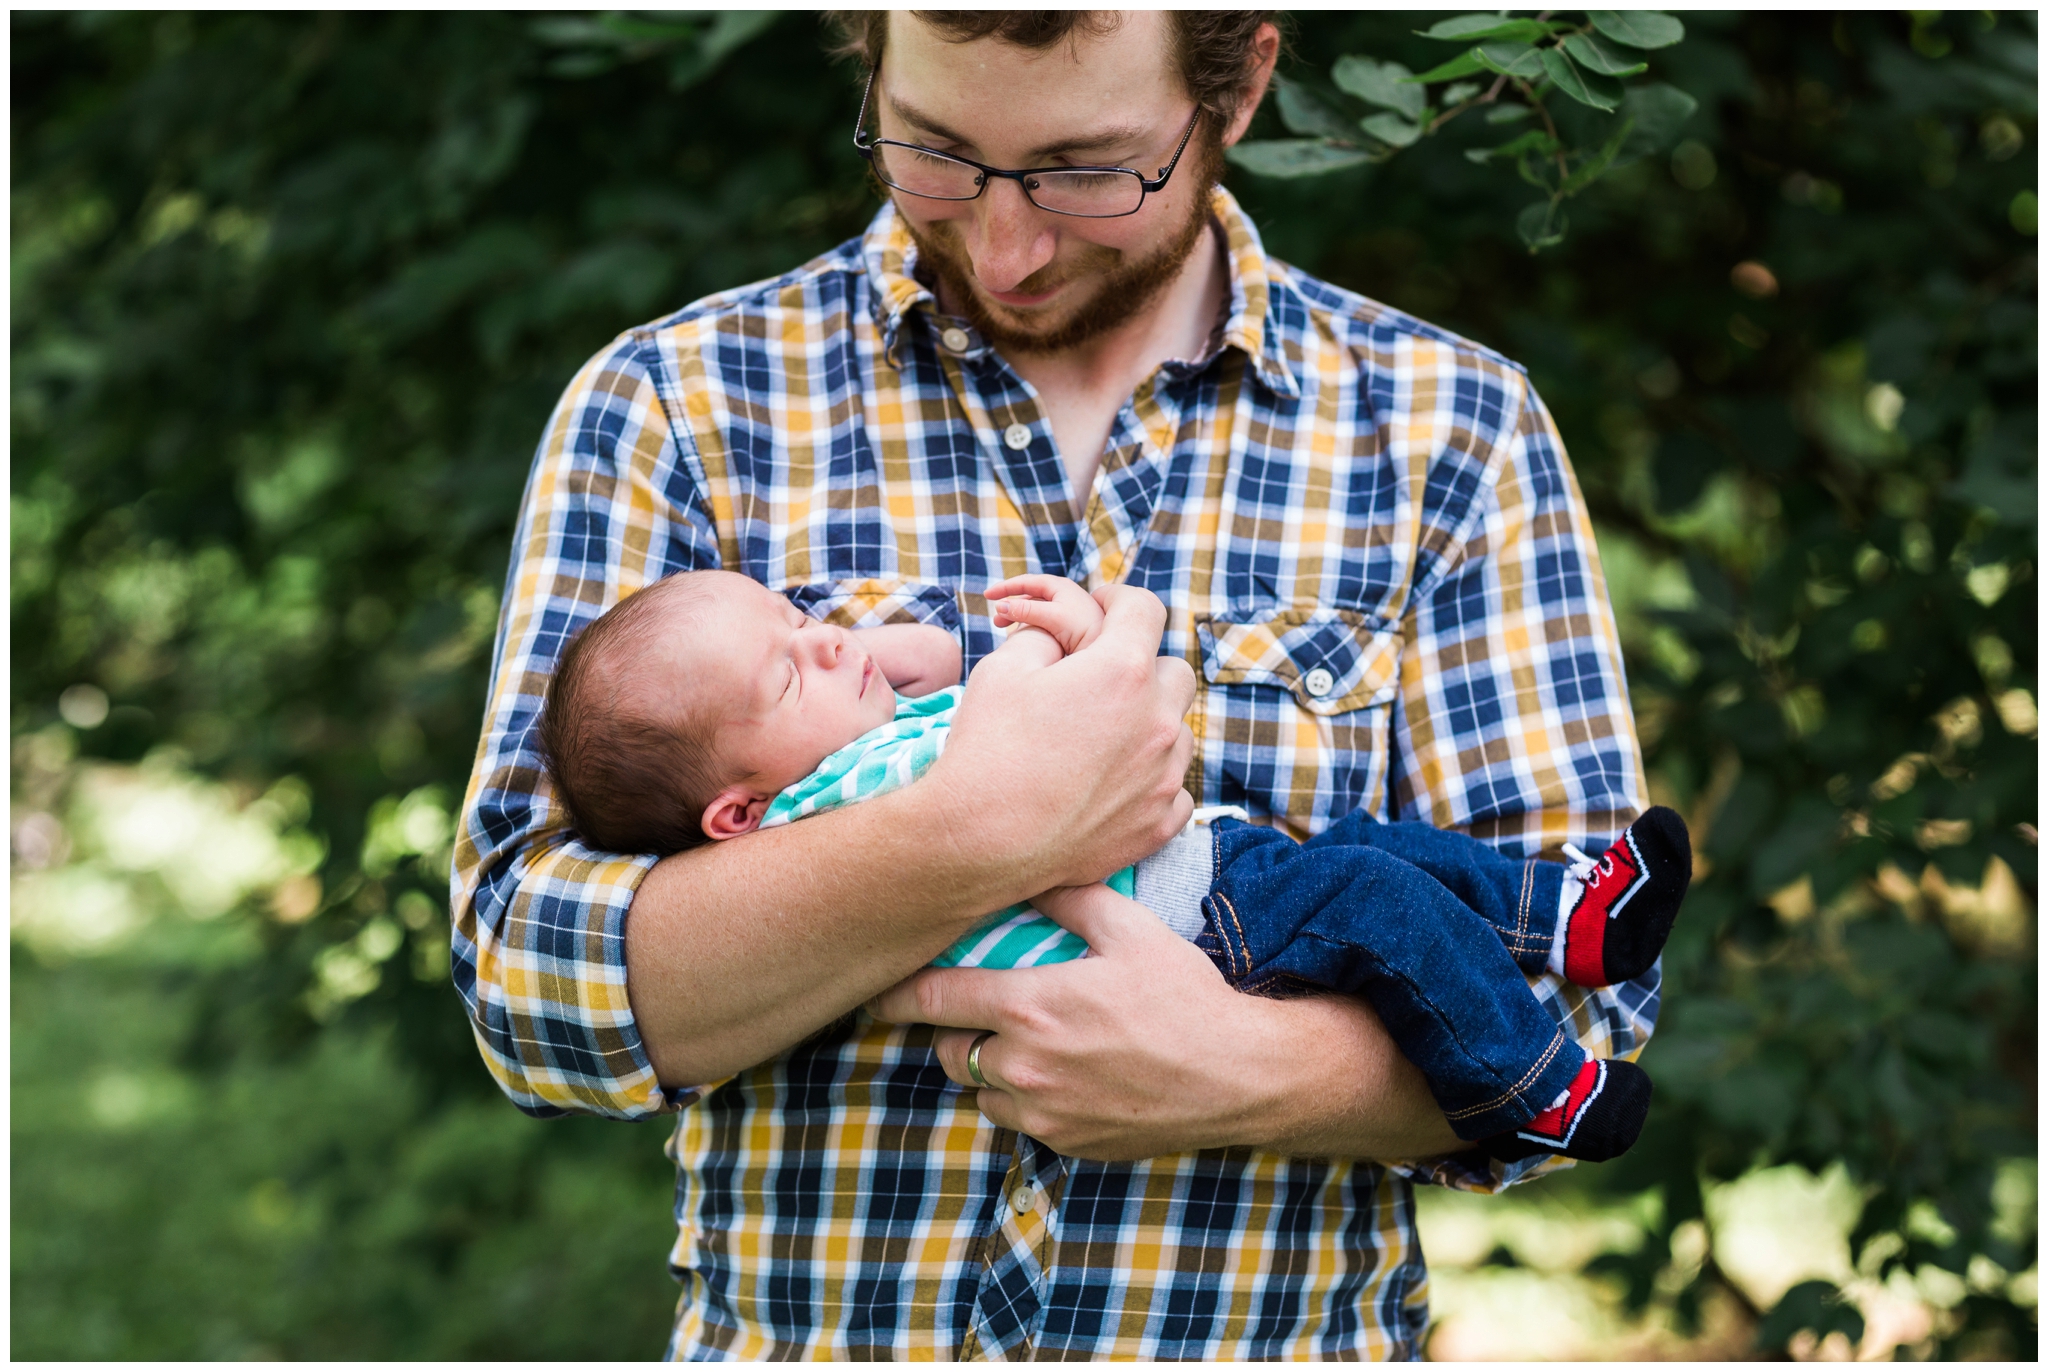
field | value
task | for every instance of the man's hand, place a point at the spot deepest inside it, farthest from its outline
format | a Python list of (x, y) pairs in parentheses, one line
[(1074, 767), (915, 659), (1142, 1049), (1054, 604)]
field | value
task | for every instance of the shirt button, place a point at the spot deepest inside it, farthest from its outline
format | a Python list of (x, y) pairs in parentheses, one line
[(1017, 436), (955, 339), (1022, 1199), (1319, 682)]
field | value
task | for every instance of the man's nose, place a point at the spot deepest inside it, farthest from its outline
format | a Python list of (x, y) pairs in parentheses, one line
[(1010, 238)]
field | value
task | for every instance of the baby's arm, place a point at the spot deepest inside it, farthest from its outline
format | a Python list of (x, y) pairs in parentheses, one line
[(1052, 604), (916, 659)]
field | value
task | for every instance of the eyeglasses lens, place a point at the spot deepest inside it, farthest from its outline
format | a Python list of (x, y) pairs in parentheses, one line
[(920, 173), (1093, 194)]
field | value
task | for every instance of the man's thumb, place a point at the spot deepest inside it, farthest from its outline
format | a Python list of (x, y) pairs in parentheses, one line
[(1097, 914)]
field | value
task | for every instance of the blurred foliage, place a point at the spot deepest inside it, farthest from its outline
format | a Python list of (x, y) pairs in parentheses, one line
[(292, 298), (1555, 146)]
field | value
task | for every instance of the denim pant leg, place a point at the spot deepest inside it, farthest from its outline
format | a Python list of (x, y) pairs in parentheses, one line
[(1357, 920), (1518, 896)]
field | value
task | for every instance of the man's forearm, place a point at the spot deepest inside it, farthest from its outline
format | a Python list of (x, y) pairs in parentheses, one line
[(735, 951), (1341, 1088), (1142, 1049)]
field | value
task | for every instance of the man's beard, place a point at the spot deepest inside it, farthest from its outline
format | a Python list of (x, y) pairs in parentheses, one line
[(1122, 288)]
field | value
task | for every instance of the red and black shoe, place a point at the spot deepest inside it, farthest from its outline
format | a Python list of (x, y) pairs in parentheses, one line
[(1627, 900), (1599, 1118)]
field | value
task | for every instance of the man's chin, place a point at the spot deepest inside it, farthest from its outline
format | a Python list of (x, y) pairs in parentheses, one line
[(1026, 329)]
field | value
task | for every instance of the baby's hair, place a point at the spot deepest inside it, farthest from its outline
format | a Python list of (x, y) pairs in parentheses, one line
[(631, 783)]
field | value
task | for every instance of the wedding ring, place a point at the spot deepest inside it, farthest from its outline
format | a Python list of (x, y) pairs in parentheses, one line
[(974, 1061)]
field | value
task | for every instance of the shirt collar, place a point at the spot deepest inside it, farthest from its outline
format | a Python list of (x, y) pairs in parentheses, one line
[(890, 256)]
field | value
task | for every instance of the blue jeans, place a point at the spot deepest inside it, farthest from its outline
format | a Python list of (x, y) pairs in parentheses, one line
[(1435, 929)]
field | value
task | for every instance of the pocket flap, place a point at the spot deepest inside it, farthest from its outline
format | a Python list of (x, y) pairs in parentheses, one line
[(869, 602), (1331, 660)]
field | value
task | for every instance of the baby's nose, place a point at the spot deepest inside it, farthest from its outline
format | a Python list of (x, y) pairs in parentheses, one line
[(827, 643)]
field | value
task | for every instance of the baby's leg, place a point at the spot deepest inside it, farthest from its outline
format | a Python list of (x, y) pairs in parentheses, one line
[(1594, 922), (1519, 897), (1360, 921)]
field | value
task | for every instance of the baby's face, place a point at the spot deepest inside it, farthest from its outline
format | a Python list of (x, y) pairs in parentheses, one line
[(792, 691)]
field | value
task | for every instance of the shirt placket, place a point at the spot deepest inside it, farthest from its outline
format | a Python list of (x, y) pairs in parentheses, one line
[(1128, 482), (1016, 1255), (1007, 422)]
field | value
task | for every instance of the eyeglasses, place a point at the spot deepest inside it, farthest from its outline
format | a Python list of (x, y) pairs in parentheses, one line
[(1087, 192)]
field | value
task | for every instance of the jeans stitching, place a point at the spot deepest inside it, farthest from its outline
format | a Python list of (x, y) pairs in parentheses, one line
[(1243, 943), (1522, 912), (1514, 1092)]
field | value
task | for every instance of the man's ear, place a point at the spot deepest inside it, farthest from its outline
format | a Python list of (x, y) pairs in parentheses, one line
[(1266, 44), (735, 811)]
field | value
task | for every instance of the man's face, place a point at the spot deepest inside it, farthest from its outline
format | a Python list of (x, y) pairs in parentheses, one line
[(1029, 279)]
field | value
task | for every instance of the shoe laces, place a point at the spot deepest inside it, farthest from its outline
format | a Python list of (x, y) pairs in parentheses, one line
[(1587, 870)]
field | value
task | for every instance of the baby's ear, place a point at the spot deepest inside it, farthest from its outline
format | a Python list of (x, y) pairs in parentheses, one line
[(735, 811)]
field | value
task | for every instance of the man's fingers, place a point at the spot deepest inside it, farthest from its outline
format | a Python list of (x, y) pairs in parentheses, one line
[(953, 1047), (1177, 680), (1099, 915), (1132, 614), (955, 997)]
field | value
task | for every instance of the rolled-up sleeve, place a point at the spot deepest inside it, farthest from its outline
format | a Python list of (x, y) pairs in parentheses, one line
[(1514, 722), (539, 919)]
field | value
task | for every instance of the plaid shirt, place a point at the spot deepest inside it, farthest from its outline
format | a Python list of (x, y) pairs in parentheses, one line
[(1375, 556)]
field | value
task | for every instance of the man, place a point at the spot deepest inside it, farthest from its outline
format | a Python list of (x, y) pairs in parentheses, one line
[(1379, 588)]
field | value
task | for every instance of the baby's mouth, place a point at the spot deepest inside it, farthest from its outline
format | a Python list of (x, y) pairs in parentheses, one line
[(867, 674)]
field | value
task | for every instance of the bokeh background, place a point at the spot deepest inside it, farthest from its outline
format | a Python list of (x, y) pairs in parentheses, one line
[(292, 297)]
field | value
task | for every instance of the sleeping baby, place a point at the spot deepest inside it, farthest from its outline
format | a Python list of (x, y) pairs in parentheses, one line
[(752, 714)]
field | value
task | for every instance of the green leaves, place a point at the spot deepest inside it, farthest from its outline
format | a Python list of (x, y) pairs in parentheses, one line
[(1473, 28), (1391, 129), (1386, 84), (1595, 56), (1292, 157), (1638, 28), (1464, 64), (1534, 142), (695, 44), (1529, 60), (1305, 112), (1510, 59), (1655, 113), (1813, 1306), (1542, 225), (1587, 90)]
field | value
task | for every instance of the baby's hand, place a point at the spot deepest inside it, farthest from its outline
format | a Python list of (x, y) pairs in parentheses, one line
[(1051, 603), (915, 659)]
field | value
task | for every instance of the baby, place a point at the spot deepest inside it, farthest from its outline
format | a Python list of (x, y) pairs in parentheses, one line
[(706, 706)]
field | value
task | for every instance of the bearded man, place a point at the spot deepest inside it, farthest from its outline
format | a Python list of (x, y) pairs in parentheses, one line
[(1059, 347)]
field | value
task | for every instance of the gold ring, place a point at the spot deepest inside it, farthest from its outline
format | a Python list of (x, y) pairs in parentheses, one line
[(974, 1060)]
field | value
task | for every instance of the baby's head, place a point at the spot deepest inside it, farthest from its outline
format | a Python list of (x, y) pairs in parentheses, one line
[(681, 712)]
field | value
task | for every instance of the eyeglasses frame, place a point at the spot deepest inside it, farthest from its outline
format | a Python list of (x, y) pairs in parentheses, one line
[(1152, 187)]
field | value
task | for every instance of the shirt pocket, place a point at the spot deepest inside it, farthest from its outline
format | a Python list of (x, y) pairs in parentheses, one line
[(1331, 661), (1297, 712), (869, 602)]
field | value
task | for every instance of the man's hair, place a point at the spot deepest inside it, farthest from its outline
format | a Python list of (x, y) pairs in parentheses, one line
[(631, 783), (1213, 47)]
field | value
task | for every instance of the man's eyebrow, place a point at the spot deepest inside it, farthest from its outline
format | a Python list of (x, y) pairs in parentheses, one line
[(1094, 142)]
